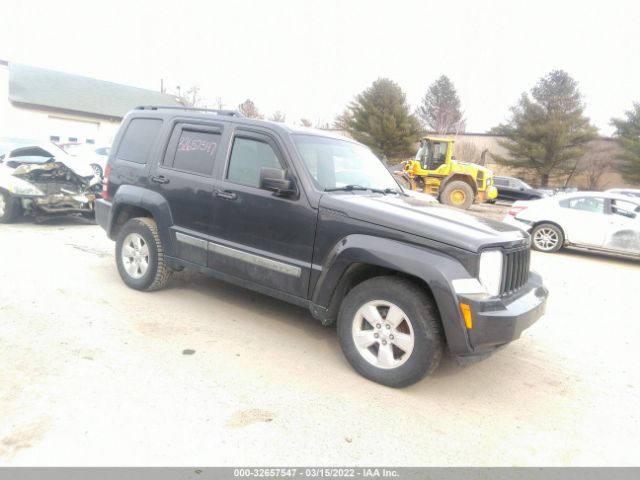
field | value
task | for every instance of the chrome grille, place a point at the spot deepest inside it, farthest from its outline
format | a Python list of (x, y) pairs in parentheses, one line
[(515, 270)]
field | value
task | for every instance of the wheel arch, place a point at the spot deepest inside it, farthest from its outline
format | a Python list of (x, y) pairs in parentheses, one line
[(357, 258), (131, 202)]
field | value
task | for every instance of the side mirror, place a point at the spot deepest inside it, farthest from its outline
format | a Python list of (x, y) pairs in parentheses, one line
[(275, 180)]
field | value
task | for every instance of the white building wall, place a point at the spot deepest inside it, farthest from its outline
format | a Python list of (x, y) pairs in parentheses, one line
[(31, 123)]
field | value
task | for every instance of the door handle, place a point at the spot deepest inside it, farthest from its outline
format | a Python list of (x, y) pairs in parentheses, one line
[(159, 179), (226, 194)]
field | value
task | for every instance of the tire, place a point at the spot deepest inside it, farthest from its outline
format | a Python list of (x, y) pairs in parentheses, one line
[(9, 207), (97, 170), (547, 237), (140, 255), (457, 194), (419, 322)]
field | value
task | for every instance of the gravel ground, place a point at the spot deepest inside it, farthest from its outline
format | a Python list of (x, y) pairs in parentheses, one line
[(204, 373)]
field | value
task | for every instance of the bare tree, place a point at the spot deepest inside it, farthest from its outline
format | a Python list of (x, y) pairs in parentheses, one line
[(249, 109), (191, 97), (219, 103), (305, 122), (595, 163), (467, 152), (278, 116)]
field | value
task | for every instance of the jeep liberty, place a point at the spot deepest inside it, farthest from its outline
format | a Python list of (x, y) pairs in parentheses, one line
[(317, 220)]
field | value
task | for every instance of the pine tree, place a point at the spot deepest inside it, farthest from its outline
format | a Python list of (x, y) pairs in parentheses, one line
[(628, 137), (440, 108), (380, 118), (548, 132)]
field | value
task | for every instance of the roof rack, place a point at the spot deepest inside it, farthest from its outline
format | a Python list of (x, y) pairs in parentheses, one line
[(230, 113)]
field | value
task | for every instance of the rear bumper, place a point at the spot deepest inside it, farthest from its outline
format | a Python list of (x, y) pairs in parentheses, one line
[(498, 321), (103, 213)]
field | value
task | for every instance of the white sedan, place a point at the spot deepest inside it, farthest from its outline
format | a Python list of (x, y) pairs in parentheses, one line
[(602, 221)]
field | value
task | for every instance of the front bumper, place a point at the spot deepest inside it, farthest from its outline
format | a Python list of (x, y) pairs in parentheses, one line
[(500, 320)]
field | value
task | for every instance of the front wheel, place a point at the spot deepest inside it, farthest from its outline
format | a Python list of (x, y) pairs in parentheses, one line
[(390, 331), (9, 207), (140, 255), (457, 194), (547, 237)]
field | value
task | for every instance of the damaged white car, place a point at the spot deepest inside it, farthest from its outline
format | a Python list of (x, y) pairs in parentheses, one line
[(601, 221), (40, 180)]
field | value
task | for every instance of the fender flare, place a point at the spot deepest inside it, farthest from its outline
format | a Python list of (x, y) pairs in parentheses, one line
[(153, 202), (434, 268)]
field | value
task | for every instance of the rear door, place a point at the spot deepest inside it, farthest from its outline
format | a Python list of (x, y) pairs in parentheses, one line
[(261, 237), (185, 178)]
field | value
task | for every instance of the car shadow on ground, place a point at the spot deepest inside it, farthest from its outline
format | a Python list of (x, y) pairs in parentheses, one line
[(285, 313), (242, 298), (57, 220)]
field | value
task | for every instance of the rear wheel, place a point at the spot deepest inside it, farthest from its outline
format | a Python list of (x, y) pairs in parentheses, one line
[(140, 255), (547, 237), (390, 332), (9, 207), (457, 194)]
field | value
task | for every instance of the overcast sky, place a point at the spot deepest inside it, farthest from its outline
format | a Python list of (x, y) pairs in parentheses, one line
[(309, 59)]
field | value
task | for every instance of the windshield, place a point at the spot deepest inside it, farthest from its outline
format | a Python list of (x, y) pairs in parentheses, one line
[(335, 163)]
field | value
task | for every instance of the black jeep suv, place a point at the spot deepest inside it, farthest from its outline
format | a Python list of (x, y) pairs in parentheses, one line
[(316, 220)]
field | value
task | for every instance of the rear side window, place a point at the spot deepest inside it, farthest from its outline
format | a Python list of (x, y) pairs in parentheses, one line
[(195, 152), (586, 204), (247, 158), (501, 182), (138, 140)]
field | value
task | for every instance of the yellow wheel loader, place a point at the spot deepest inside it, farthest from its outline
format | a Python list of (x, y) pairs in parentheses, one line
[(435, 171)]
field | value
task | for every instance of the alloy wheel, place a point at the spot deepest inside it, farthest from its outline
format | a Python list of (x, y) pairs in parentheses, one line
[(383, 334), (135, 255)]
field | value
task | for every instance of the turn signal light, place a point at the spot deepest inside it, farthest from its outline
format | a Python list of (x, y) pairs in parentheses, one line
[(466, 314)]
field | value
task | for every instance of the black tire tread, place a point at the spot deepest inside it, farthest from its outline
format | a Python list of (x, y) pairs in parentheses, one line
[(162, 271)]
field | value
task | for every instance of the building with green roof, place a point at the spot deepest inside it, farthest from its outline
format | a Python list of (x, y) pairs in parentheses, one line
[(45, 104)]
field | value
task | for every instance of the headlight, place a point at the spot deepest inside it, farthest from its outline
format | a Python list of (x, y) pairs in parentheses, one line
[(20, 187), (490, 272)]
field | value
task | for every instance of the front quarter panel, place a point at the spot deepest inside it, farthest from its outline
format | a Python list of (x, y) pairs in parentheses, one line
[(434, 268)]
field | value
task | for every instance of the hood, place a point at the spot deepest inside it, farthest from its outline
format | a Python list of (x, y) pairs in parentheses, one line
[(421, 215), (39, 155)]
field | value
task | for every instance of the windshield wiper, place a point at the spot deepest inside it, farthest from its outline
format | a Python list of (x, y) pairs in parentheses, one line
[(350, 188)]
